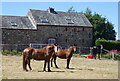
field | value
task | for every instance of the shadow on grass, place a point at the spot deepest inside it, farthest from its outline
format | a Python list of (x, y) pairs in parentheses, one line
[(75, 69), (90, 69), (51, 71)]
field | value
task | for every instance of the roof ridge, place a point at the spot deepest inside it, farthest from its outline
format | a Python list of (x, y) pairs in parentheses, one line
[(56, 11), (12, 16), (37, 10)]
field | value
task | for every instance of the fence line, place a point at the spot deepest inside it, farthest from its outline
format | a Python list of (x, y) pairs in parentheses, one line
[(21, 47), (80, 50)]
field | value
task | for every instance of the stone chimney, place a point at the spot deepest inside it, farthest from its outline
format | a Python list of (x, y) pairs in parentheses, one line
[(51, 10)]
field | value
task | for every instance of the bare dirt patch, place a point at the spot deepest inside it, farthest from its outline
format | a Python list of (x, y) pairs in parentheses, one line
[(80, 68)]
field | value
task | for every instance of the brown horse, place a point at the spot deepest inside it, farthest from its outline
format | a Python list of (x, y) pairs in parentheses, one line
[(38, 54), (64, 54)]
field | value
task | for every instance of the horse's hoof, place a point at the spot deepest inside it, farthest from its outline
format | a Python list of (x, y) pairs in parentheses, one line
[(31, 70), (56, 66), (67, 67), (26, 70), (49, 70), (44, 71)]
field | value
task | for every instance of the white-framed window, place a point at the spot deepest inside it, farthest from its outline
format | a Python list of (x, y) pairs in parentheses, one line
[(44, 20), (51, 41), (69, 21), (14, 24)]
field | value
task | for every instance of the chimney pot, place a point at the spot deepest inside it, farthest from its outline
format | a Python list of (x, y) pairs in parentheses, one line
[(51, 10)]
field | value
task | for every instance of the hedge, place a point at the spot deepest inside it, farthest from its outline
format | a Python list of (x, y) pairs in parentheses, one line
[(108, 44), (13, 52)]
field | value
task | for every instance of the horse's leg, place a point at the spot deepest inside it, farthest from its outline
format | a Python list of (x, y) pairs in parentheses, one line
[(55, 62), (24, 62), (26, 65), (29, 64), (51, 61), (44, 69), (94, 55), (68, 62), (49, 66), (99, 56)]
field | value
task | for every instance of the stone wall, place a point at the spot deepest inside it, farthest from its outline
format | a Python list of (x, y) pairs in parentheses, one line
[(17, 39), (65, 37)]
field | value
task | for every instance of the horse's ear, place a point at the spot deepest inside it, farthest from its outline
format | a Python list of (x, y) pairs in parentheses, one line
[(56, 44)]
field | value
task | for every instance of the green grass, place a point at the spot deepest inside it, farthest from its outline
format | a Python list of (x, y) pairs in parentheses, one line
[(76, 54)]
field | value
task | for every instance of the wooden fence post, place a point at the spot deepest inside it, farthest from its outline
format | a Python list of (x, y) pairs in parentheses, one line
[(113, 55)]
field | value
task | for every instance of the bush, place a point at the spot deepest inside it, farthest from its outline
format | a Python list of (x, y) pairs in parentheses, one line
[(117, 57), (19, 53), (116, 54), (108, 56), (107, 44), (5, 52), (13, 52)]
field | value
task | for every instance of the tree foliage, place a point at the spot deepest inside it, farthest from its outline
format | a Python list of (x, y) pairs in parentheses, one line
[(71, 9), (103, 29)]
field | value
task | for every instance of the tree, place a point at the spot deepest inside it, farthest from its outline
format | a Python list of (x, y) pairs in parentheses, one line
[(88, 11), (103, 29), (71, 9)]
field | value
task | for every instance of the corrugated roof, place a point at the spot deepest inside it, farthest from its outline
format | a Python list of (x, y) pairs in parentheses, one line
[(16, 22), (59, 18)]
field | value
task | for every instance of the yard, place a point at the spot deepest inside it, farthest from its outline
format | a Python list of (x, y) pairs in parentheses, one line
[(80, 68)]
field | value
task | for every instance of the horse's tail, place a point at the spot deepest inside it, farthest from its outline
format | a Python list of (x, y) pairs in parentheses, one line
[(24, 61)]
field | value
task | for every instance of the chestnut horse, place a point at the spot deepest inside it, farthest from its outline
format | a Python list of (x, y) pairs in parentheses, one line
[(38, 54), (64, 54)]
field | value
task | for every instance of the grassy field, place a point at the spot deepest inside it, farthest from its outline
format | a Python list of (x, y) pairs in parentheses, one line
[(80, 68)]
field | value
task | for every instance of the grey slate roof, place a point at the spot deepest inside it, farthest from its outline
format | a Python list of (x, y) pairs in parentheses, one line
[(55, 18), (59, 18), (22, 22)]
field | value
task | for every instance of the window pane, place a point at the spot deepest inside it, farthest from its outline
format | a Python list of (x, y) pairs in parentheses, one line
[(51, 41), (44, 20), (69, 21), (13, 24)]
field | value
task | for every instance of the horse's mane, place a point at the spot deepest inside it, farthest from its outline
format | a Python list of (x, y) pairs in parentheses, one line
[(48, 45)]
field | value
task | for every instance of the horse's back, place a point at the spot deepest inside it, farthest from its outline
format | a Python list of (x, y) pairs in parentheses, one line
[(27, 49), (62, 53), (40, 54)]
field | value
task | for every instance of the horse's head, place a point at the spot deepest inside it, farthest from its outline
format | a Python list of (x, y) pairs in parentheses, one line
[(74, 48), (53, 47), (56, 48)]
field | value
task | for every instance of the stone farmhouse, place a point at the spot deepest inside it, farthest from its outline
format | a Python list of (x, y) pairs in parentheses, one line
[(45, 27)]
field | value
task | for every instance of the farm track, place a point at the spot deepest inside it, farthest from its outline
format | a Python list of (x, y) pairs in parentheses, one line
[(80, 68)]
